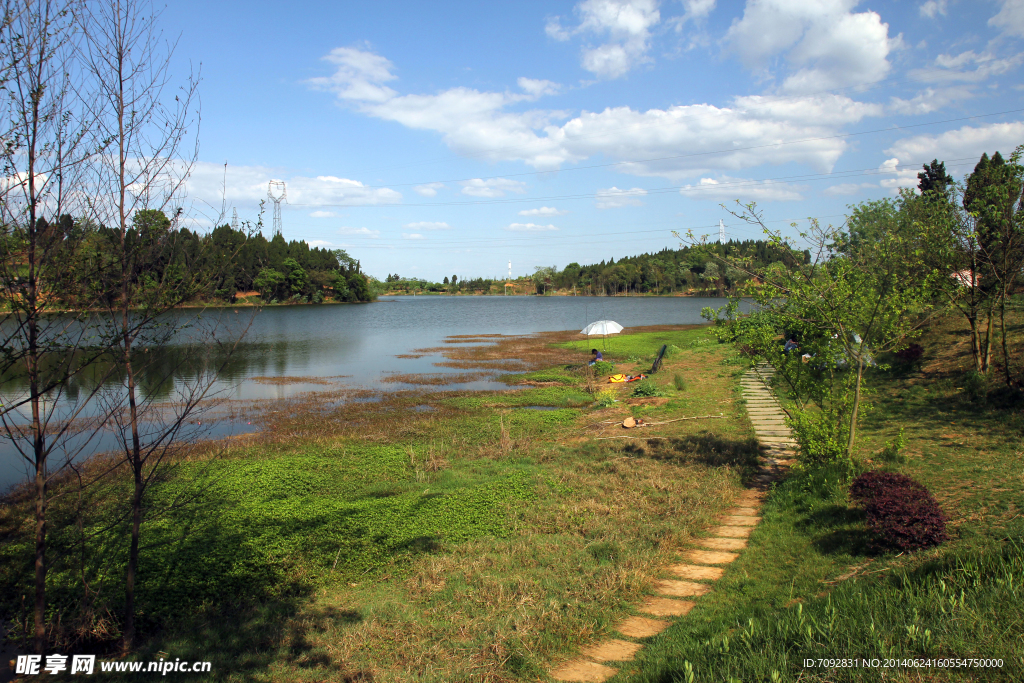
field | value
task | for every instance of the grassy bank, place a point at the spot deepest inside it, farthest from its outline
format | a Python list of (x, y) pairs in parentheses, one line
[(809, 586), (429, 536)]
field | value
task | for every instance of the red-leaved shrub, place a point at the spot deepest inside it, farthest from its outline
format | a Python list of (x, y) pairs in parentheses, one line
[(911, 354), (901, 513), (868, 485)]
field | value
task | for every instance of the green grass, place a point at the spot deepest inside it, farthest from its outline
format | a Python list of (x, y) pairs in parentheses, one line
[(809, 587), (477, 539)]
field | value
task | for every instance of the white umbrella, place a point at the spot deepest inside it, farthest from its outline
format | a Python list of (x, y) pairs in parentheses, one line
[(602, 327)]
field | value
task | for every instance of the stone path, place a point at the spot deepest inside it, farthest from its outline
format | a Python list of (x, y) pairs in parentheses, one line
[(692, 577)]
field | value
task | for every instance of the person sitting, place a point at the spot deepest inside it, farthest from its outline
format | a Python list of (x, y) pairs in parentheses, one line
[(595, 356), (791, 345)]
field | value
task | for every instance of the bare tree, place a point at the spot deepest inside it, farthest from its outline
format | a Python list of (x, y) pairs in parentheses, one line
[(46, 142), (142, 176)]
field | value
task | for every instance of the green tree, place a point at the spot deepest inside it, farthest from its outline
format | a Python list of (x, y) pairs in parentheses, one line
[(934, 179), (296, 277), (268, 282)]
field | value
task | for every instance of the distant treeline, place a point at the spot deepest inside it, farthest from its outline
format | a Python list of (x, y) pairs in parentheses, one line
[(689, 270), (224, 262)]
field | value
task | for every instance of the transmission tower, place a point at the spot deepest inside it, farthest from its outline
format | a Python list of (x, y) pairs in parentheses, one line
[(277, 193), (234, 219)]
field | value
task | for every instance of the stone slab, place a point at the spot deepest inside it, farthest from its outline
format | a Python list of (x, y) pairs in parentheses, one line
[(723, 543), (680, 589), (612, 650), (740, 520), (583, 671), (732, 531), (697, 572), (666, 607), (641, 627), (710, 556)]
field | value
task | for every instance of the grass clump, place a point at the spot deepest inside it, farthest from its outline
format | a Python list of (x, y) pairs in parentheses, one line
[(646, 388), (678, 382)]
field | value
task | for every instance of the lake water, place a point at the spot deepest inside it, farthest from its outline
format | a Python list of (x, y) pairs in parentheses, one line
[(357, 345)]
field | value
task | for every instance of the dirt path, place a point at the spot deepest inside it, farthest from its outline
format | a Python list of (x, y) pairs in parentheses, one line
[(694, 576)]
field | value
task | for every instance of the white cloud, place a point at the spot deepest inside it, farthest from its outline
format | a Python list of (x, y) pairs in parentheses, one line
[(247, 185), (492, 187), (412, 236), (359, 75), (535, 88), (904, 177), (827, 45), (933, 8), (698, 9), (544, 211), (930, 100), (530, 227), (967, 67), (625, 25), (428, 190), (359, 232), (479, 124), (726, 188), (1010, 18), (968, 142), (427, 225), (614, 198), (847, 188), (323, 214)]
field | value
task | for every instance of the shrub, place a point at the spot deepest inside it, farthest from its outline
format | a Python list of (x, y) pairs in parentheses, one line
[(906, 519), (893, 451), (820, 439), (645, 388), (901, 513), (870, 485), (602, 367), (910, 355), (605, 398), (678, 382)]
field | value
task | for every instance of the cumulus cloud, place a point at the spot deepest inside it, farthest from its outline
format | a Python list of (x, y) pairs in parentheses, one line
[(968, 142), (247, 185), (359, 75), (624, 25), (530, 227), (614, 198), (726, 188), (932, 8), (427, 225), (902, 176), (847, 188), (535, 88), (428, 190), (492, 187), (930, 100), (359, 232), (322, 214), (1010, 18), (544, 211), (412, 236), (481, 125), (826, 45), (969, 67)]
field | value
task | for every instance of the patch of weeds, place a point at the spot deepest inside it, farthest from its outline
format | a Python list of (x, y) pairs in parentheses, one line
[(646, 388), (606, 551), (893, 451), (678, 382), (605, 398)]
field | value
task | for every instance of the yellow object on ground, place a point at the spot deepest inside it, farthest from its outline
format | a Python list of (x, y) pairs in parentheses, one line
[(617, 378)]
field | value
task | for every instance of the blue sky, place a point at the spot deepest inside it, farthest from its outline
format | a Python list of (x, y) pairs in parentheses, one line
[(436, 138)]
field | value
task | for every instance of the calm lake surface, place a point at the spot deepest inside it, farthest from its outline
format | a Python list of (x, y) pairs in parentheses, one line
[(357, 344)]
